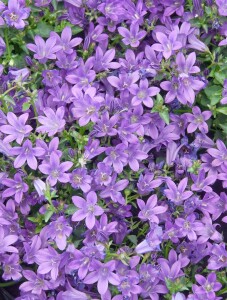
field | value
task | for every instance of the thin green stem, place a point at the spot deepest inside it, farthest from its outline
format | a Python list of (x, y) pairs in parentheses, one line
[(5, 284), (6, 31)]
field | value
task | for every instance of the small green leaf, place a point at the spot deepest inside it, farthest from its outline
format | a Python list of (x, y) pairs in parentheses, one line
[(26, 106), (165, 115), (9, 99), (70, 209), (43, 29), (214, 93), (76, 30), (222, 110), (133, 239), (48, 214)]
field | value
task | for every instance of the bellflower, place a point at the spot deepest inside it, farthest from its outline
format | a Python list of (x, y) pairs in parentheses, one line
[(103, 60), (86, 107), (16, 130), (149, 210), (103, 274), (197, 120), (133, 36), (35, 284), (166, 44), (12, 269), (59, 230), (53, 122), (218, 258), (222, 7), (65, 41), (48, 260), (6, 241), (26, 153), (187, 226), (208, 286), (143, 93), (56, 170), (44, 50), (177, 194), (80, 179), (16, 14), (113, 190), (88, 209), (16, 187), (152, 241), (116, 157), (219, 154)]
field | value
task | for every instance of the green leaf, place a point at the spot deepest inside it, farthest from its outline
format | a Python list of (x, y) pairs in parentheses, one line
[(133, 239), (43, 29), (9, 99), (214, 93), (26, 106), (70, 209), (222, 110), (76, 30), (48, 214), (165, 115)]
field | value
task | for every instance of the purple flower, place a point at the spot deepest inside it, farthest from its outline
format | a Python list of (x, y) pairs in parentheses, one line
[(16, 14), (40, 186), (53, 122), (113, 190), (59, 230), (86, 107), (133, 36), (103, 274), (12, 269), (31, 249), (65, 42), (188, 226), (189, 85), (207, 230), (147, 183), (73, 294), (48, 260), (143, 93), (27, 153), (56, 170), (135, 154), (105, 125), (194, 43), (167, 44), (172, 152), (103, 174), (218, 257), (125, 80), (149, 210), (51, 78), (116, 157), (80, 179), (208, 286), (103, 60), (152, 241), (16, 187), (186, 65), (17, 130), (220, 154), (6, 240), (177, 194), (222, 7), (35, 284), (83, 76), (201, 182), (44, 50), (88, 209), (197, 120)]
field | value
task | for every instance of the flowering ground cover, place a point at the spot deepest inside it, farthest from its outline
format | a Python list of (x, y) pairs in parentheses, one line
[(113, 157)]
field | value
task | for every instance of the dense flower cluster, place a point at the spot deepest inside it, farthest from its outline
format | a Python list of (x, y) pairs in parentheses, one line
[(113, 157)]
